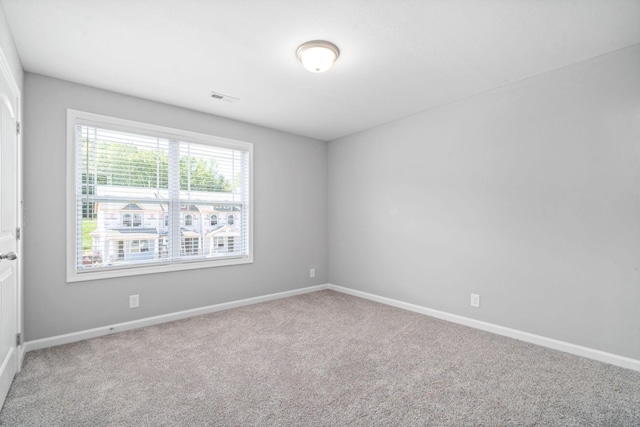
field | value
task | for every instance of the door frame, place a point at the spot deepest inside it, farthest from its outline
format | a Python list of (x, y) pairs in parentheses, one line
[(5, 69)]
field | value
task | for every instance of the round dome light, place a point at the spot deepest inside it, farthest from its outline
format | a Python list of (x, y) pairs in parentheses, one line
[(318, 56)]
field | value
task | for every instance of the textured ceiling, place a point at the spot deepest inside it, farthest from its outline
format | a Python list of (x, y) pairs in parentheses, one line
[(397, 57)]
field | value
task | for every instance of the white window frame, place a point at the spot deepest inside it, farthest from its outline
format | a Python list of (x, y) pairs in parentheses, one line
[(127, 220), (75, 117)]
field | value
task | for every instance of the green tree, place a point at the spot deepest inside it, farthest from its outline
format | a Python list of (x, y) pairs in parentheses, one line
[(200, 174), (110, 163)]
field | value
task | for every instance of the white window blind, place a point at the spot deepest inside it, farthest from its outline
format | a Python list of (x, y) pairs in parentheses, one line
[(144, 197)]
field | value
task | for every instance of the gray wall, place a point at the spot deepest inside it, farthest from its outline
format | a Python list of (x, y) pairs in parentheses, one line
[(528, 195), (290, 216)]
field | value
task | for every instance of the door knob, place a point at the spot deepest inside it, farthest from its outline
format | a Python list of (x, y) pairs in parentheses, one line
[(10, 256)]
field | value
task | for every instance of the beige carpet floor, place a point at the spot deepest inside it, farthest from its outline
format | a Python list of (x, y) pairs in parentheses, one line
[(319, 359)]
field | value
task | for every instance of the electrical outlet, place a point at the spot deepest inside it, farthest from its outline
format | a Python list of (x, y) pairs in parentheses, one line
[(134, 301), (312, 272), (475, 300)]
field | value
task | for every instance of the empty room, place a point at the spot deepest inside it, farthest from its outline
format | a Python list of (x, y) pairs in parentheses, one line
[(332, 213)]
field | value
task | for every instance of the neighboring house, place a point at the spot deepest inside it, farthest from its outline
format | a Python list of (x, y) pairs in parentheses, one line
[(131, 230)]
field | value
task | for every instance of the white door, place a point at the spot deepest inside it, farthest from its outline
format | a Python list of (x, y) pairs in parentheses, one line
[(8, 233)]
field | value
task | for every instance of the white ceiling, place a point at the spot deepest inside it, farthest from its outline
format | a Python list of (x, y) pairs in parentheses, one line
[(397, 57)]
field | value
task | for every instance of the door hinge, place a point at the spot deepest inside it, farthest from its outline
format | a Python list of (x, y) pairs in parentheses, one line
[(18, 233), (18, 128), (18, 339)]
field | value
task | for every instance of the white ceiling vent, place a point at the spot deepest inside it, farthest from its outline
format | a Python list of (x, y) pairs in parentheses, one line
[(222, 97)]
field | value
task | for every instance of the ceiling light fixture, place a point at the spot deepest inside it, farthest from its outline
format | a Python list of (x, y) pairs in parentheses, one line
[(318, 56)]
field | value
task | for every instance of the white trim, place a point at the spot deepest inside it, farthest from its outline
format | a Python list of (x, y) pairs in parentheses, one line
[(149, 321), (5, 100), (5, 382), (149, 129), (601, 356), (5, 69), (154, 268)]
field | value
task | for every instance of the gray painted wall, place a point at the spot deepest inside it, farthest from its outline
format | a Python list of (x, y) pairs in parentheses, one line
[(290, 216), (528, 195)]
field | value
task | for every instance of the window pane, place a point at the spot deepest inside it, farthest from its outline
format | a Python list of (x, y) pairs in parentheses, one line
[(133, 189)]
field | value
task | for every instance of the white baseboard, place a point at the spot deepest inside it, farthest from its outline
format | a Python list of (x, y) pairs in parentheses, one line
[(134, 324), (613, 359), (590, 353)]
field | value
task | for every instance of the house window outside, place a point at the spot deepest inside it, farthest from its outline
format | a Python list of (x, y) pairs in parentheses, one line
[(139, 246), (155, 172), (89, 210), (191, 245), (131, 220), (88, 187)]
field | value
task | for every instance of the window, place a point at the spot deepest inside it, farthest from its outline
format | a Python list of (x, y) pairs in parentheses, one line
[(139, 172), (131, 220), (88, 187), (137, 220), (139, 246), (191, 245)]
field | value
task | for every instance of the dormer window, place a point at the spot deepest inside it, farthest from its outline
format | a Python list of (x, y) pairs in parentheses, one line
[(132, 220), (214, 220), (231, 219), (188, 221)]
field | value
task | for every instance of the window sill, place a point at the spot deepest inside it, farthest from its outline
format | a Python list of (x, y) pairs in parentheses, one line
[(109, 273)]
